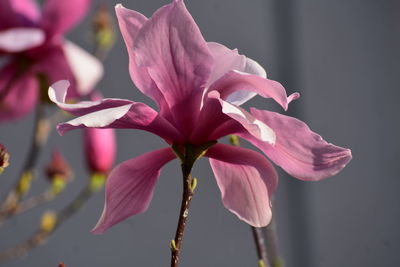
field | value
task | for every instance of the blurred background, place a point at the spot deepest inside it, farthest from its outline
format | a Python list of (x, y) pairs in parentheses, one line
[(342, 56)]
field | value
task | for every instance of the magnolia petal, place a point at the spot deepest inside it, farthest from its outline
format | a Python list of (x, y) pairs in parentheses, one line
[(60, 16), (235, 81), (178, 60), (255, 127), (112, 113), (130, 187), (20, 39), (246, 180), (18, 13), (225, 60), (18, 94), (242, 96), (86, 68), (100, 149), (299, 151), (130, 22)]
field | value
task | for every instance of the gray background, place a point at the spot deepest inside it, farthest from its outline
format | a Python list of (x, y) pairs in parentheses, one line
[(343, 57)]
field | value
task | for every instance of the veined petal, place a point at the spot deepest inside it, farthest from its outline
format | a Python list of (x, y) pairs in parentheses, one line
[(20, 39), (254, 126), (86, 68), (18, 13), (130, 22), (18, 93), (60, 16), (225, 60), (130, 187), (112, 113), (235, 81), (246, 180), (298, 150), (178, 60)]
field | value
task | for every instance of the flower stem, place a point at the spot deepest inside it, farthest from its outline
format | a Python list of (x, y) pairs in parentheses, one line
[(41, 132), (258, 236), (42, 235), (272, 245), (187, 196)]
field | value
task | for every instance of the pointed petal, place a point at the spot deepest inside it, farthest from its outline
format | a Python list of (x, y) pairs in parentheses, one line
[(18, 94), (246, 180), (235, 81), (298, 150), (20, 39), (178, 60), (18, 13), (112, 113), (60, 16), (86, 68), (130, 187), (130, 22)]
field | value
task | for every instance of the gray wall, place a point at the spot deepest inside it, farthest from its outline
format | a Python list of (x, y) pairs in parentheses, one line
[(342, 56)]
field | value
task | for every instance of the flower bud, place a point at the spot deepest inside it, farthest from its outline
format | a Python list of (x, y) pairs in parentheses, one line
[(99, 149), (58, 168), (4, 158)]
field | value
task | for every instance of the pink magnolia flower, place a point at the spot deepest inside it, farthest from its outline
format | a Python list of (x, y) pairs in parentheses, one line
[(99, 147), (38, 54), (199, 87)]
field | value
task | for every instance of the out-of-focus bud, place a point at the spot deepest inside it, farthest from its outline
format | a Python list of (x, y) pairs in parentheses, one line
[(58, 172), (103, 29), (48, 221), (4, 158), (100, 146)]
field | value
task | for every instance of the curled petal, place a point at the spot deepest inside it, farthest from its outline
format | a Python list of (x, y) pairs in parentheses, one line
[(235, 81), (20, 39), (246, 180), (298, 150), (18, 93), (130, 187), (112, 113), (86, 68), (254, 126), (60, 16)]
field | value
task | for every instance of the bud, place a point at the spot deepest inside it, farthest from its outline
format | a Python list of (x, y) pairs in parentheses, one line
[(48, 221), (103, 28), (58, 168), (99, 146), (99, 149), (4, 158)]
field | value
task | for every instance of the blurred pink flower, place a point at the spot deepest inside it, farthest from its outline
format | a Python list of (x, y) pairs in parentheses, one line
[(39, 55), (99, 147), (199, 87)]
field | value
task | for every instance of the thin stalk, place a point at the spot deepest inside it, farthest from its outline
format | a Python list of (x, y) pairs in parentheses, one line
[(42, 234), (272, 245), (41, 132), (260, 246), (187, 196)]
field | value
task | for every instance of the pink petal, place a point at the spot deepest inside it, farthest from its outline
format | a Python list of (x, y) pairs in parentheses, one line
[(18, 13), (235, 81), (60, 16), (18, 94), (178, 60), (86, 68), (130, 187), (225, 60), (246, 180), (130, 22), (298, 150), (20, 39), (112, 113)]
